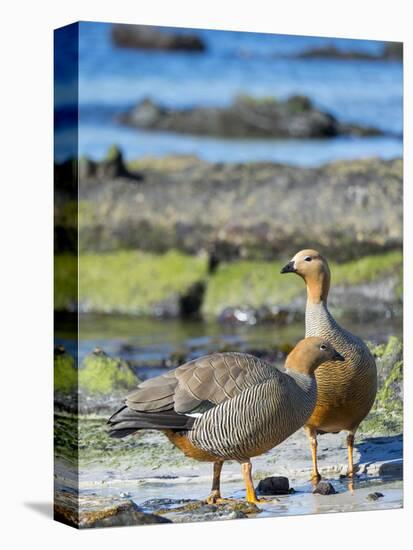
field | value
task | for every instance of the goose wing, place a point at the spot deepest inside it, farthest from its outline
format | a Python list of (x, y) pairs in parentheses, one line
[(200, 384)]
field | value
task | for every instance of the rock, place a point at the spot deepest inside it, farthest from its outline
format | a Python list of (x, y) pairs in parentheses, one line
[(65, 372), (102, 375), (296, 117), (330, 51), (198, 510), (391, 468), (275, 485), (93, 511), (374, 496), (155, 38), (191, 301), (359, 193), (113, 166), (393, 51), (324, 488)]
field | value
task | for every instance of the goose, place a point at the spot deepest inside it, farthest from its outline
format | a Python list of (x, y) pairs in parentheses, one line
[(346, 391), (228, 406)]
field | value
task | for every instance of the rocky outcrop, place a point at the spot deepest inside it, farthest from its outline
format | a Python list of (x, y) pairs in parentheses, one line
[(90, 511), (155, 38), (253, 210), (295, 117), (392, 51), (112, 166)]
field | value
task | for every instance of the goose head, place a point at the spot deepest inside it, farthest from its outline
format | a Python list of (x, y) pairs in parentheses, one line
[(310, 353), (313, 268)]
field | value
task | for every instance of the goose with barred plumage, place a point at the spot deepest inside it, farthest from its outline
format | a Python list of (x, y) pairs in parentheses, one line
[(345, 391), (228, 406)]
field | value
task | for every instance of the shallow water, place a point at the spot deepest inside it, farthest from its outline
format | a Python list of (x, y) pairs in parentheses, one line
[(152, 341)]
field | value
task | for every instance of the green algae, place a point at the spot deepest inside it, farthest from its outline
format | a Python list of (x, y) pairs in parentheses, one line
[(136, 282), (101, 374), (386, 416), (254, 283), (65, 372)]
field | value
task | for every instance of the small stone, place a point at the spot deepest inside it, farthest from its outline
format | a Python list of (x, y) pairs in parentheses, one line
[(125, 495), (374, 496), (324, 488), (274, 485)]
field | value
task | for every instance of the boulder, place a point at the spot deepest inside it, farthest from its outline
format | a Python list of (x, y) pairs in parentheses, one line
[(295, 117), (155, 38), (324, 488), (93, 511), (274, 485)]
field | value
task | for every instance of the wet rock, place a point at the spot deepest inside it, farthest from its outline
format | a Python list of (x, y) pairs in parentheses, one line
[(101, 374), (275, 485), (391, 468), (155, 38), (198, 510), (296, 117), (238, 315), (374, 496), (324, 488), (93, 511)]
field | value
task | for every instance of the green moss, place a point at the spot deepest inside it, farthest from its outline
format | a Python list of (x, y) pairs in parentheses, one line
[(368, 268), (255, 283), (65, 373), (249, 283), (134, 282), (386, 415), (101, 374), (65, 282)]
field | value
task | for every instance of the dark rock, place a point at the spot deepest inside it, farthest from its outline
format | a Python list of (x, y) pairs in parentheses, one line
[(295, 117), (155, 38), (393, 51), (199, 511), (191, 301), (374, 496), (275, 485), (92, 511), (330, 51), (113, 166), (324, 488)]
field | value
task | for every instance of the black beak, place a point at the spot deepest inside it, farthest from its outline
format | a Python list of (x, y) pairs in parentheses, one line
[(338, 357), (289, 268)]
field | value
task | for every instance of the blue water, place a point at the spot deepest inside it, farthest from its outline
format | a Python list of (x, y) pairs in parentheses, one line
[(113, 79)]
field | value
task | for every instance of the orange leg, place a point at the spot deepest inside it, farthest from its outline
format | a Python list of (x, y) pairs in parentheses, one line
[(215, 495), (350, 447), (312, 435), (251, 495)]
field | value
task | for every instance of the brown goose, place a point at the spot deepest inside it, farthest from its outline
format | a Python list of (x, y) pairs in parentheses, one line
[(228, 406), (345, 391)]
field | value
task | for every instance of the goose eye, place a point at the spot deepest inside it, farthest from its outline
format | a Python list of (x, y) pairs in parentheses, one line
[(308, 258), (323, 347)]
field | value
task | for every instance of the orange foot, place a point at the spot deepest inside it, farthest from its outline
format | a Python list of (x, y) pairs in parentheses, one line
[(315, 478), (215, 498)]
